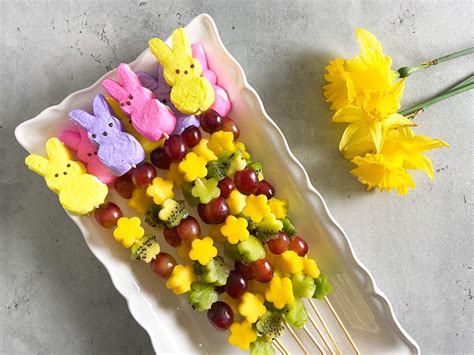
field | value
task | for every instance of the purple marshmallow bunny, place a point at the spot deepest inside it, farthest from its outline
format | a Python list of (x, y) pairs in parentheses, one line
[(117, 150), (158, 85)]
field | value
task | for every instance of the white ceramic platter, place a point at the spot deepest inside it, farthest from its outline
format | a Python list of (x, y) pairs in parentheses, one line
[(171, 323)]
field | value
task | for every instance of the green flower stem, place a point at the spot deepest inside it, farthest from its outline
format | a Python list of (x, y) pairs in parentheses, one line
[(458, 89), (407, 71)]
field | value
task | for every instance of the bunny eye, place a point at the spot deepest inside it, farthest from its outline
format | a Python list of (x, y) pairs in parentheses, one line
[(89, 154), (191, 66), (128, 103), (111, 124), (177, 71), (130, 97), (185, 72), (56, 175), (95, 153), (93, 136), (68, 166), (122, 104), (165, 101), (130, 121), (65, 173), (104, 133)]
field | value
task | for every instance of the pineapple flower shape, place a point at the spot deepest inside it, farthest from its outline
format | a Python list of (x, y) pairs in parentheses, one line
[(280, 292), (216, 234), (256, 208), (193, 167), (278, 207), (221, 142), (202, 150), (183, 250), (252, 306), (174, 175), (310, 268), (203, 250), (242, 334), (236, 202), (128, 231), (290, 262), (140, 201), (235, 229), (160, 190), (205, 190), (181, 279), (241, 146)]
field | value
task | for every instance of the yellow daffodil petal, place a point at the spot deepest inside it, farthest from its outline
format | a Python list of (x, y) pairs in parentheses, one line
[(349, 114), (340, 91)]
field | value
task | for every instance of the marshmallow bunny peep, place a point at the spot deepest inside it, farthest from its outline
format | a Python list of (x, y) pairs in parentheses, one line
[(118, 151), (150, 118), (190, 93), (78, 192)]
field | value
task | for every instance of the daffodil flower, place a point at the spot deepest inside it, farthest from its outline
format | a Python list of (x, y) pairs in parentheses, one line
[(140, 201), (256, 207), (181, 279), (202, 250), (221, 142), (242, 334), (193, 167), (128, 230), (160, 190), (280, 292), (252, 306), (235, 229)]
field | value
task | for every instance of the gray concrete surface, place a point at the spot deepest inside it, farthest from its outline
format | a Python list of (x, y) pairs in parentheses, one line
[(54, 295)]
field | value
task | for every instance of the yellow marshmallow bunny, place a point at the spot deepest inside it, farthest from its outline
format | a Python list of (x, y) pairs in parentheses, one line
[(190, 93), (78, 192)]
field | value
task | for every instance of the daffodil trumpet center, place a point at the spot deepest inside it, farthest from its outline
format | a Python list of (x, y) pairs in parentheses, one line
[(407, 71)]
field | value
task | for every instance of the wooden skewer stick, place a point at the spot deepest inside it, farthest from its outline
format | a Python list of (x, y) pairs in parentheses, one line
[(325, 326), (298, 340), (281, 348), (346, 333), (305, 328), (316, 326), (166, 135)]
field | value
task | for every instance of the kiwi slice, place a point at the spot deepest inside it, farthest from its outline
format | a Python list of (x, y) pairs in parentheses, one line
[(145, 248), (152, 218), (323, 287), (215, 171), (270, 324), (231, 162), (197, 268), (215, 272), (257, 167), (295, 314), (268, 228), (202, 296), (251, 249), (188, 196), (173, 212), (288, 227), (261, 346), (303, 286), (232, 251)]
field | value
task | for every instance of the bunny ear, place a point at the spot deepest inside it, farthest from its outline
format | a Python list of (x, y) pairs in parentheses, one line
[(37, 163), (181, 45), (57, 151), (101, 107), (161, 51), (71, 139), (199, 54), (84, 119), (128, 77), (147, 80), (113, 89)]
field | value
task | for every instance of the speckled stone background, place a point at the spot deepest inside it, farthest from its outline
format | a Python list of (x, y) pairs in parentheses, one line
[(54, 295)]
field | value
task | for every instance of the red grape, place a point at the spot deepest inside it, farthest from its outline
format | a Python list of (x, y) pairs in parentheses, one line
[(279, 244), (210, 121), (163, 264), (175, 147), (143, 174), (160, 159), (229, 125), (189, 228), (262, 270), (108, 214), (202, 213), (246, 181), (299, 246), (265, 188), (236, 285), (243, 269), (191, 136), (124, 185), (172, 237), (226, 186), (220, 315), (217, 210)]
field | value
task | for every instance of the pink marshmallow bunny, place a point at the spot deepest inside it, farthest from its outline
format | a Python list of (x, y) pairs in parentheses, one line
[(87, 153), (221, 103), (149, 117)]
